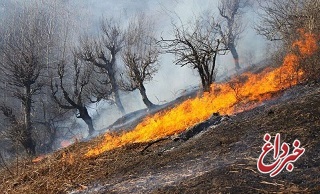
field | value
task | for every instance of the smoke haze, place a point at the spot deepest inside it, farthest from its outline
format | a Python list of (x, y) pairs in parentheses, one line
[(171, 80)]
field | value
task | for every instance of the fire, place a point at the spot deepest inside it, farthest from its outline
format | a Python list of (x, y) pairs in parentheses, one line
[(65, 143), (224, 97), (67, 158), (39, 158), (308, 45)]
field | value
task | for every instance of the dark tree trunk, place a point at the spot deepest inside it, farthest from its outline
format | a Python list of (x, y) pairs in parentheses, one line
[(28, 143), (27, 140), (205, 81), (84, 115), (207, 76), (52, 136), (235, 56), (145, 98), (115, 89), (206, 87), (207, 72)]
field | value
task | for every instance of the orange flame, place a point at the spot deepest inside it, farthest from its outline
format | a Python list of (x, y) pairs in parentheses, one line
[(68, 158), (222, 99), (39, 158), (308, 45), (67, 142)]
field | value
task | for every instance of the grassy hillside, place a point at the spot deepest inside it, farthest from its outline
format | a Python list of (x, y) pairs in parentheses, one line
[(221, 158)]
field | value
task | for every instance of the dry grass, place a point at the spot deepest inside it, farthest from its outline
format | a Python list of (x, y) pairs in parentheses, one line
[(223, 159)]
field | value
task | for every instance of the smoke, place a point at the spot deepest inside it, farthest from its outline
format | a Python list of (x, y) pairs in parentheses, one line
[(171, 80)]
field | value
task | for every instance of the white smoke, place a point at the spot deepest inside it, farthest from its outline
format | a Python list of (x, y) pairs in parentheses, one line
[(171, 80)]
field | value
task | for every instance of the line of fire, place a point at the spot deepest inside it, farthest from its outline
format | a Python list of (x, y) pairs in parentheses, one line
[(159, 96)]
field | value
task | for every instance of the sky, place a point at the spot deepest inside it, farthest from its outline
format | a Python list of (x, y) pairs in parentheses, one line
[(171, 80)]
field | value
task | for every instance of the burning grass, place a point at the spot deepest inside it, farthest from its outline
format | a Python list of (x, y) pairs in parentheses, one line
[(224, 99), (221, 160)]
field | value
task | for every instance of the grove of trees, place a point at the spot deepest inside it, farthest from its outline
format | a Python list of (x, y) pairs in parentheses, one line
[(29, 42), (102, 52), (48, 76)]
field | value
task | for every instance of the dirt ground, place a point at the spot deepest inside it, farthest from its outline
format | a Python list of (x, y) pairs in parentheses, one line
[(220, 159)]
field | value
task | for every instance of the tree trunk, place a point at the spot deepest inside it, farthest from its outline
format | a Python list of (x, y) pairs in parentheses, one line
[(52, 136), (235, 56), (28, 143), (206, 79), (27, 140), (115, 89), (84, 115), (118, 101), (206, 87), (145, 98), (206, 83)]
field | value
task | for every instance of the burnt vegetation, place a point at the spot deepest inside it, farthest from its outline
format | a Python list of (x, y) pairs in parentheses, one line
[(221, 158), (281, 21), (52, 75)]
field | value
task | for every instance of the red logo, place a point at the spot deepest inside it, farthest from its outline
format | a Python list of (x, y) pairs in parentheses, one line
[(282, 160)]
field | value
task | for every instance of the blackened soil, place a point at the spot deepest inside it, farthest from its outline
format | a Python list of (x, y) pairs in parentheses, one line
[(219, 159)]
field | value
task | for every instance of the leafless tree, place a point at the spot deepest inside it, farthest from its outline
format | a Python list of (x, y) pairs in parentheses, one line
[(25, 42), (16, 131), (282, 20), (140, 56), (232, 26), (47, 122), (34, 33), (102, 53), (197, 45), (74, 88)]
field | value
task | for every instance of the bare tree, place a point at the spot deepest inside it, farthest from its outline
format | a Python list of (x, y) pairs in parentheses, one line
[(16, 130), (74, 89), (280, 19), (284, 21), (140, 56), (47, 121), (231, 12), (197, 45), (24, 46), (33, 36), (103, 52)]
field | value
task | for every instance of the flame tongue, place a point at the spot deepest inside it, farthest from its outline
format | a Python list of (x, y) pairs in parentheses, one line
[(222, 99)]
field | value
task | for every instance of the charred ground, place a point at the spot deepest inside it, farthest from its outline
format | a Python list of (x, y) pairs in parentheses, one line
[(220, 158)]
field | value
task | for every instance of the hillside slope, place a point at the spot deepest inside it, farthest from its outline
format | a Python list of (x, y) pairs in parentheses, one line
[(221, 158)]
